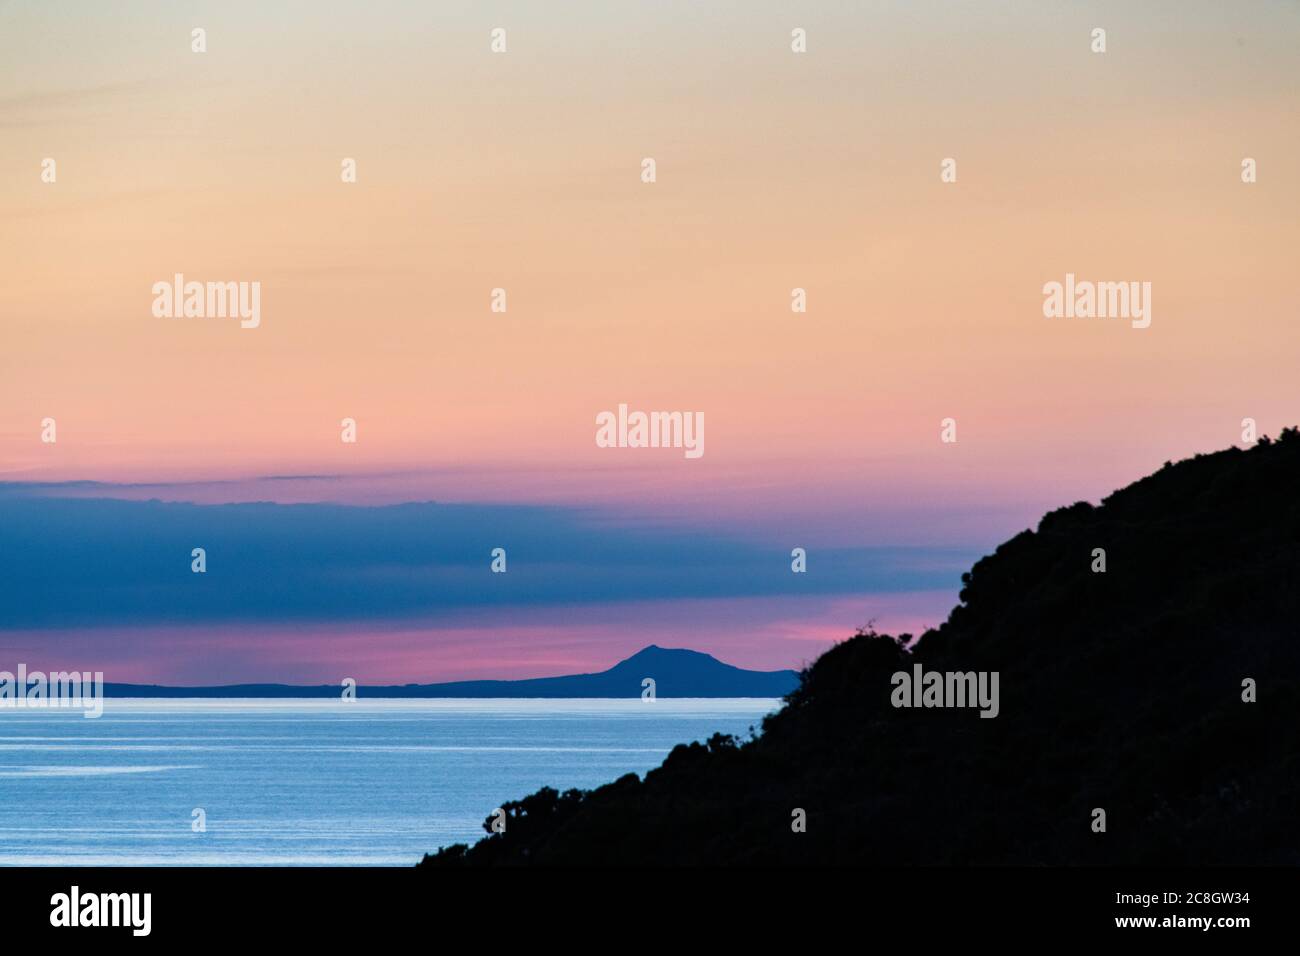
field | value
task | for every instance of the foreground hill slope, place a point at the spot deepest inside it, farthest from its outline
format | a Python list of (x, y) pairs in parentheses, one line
[(1120, 691)]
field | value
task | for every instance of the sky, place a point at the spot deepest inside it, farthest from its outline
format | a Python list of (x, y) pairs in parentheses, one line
[(522, 170)]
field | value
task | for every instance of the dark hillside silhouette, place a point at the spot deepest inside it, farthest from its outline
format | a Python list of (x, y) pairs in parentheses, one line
[(1119, 690)]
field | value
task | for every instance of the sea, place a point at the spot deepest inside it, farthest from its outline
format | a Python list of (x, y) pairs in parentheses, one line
[(187, 782)]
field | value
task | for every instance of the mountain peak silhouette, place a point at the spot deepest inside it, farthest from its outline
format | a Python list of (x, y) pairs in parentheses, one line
[(1161, 686), (654, 653), (681, 672), (676, 671)]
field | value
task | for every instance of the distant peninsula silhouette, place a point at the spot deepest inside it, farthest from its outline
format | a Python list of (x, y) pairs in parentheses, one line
[(1148, 650), (676, 672)]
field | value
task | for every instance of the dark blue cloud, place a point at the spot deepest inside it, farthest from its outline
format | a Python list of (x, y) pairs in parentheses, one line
[(78, 561)]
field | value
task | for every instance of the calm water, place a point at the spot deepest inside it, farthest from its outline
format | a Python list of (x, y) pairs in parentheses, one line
[(312, 782)]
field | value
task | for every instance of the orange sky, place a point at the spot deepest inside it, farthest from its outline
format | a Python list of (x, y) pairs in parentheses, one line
[(520, 170)]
